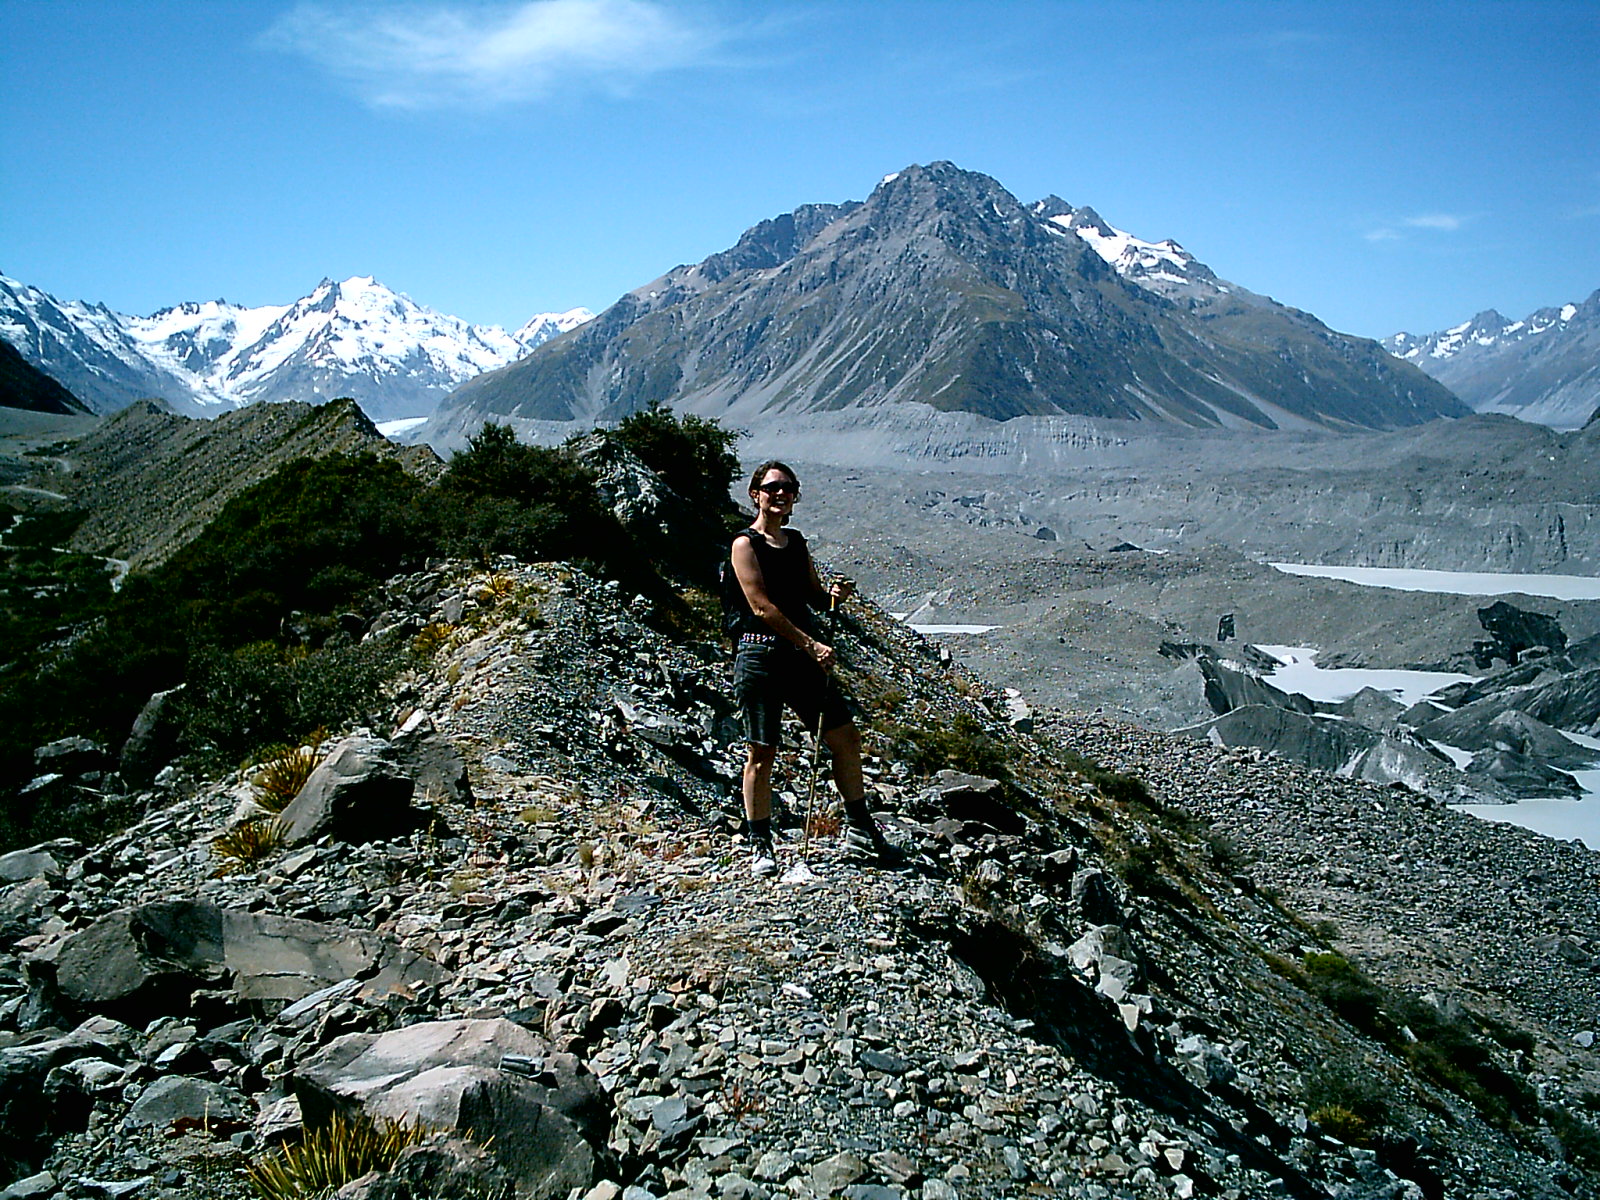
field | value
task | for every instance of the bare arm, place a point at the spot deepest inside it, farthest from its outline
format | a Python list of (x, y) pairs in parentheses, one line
[(840, 591), (748, 570)]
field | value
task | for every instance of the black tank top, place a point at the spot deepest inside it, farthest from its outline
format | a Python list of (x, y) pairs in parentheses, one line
[(786, 574)]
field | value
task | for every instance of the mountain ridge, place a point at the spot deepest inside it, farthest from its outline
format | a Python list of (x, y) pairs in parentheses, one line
[(1543, 368), (942, 289), (354, 337)]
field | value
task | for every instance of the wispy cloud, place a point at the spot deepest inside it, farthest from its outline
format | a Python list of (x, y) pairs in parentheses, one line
[(446, 53), (1437, 222), (1280, 49), (1448, 222)]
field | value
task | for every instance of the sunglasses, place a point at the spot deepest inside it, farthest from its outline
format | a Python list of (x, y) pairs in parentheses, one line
[(778, 486)]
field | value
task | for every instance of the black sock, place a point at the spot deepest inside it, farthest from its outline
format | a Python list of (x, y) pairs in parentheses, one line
[(855, 811), (761, 831)]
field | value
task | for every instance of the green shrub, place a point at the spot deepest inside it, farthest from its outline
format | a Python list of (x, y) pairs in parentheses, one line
[(961, 745), (1113, 785), (1340, 1122), (241, 700), (1446, 1052), (1579, 1138), (693, 455), (1349, 1102)]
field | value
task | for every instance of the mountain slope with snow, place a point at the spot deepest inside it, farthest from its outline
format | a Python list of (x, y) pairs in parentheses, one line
[(354, 338), (1543, 368)]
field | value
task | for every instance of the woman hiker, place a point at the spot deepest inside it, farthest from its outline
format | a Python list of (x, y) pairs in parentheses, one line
[(780, 661)]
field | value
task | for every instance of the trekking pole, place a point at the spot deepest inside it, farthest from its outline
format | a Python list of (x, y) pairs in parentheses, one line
[(816, 758)]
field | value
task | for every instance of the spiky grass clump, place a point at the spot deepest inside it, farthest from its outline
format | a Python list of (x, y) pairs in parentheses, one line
[(497, 589), (249, 842), (280, 779), (328, 1158), (432, 638)]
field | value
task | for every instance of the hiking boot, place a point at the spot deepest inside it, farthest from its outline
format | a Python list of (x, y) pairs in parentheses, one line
[(763, 860), (867, 841)]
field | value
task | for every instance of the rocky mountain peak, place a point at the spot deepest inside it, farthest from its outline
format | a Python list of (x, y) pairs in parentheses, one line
[(1544, 367), (941, 289)]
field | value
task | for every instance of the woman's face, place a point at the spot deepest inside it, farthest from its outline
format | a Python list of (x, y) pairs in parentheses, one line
[(776, 493)]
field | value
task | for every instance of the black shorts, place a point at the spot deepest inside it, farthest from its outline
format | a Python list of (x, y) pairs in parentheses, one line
[(767, 677)]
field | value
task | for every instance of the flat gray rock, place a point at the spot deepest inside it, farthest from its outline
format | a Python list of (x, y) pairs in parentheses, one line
[(180, 1098), (143, 962)]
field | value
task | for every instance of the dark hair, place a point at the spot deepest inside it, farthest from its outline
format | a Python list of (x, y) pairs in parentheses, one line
[(772, 464)]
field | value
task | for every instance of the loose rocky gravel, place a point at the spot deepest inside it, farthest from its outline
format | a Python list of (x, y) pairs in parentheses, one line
[(1064, 990)]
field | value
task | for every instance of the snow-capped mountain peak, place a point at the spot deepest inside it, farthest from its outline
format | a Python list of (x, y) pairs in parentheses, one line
[(354, 337), (1545, 367), (1163, 267), (545, 326)]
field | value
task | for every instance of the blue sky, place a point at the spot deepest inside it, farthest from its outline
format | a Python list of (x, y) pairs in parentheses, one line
[(1384, 166)]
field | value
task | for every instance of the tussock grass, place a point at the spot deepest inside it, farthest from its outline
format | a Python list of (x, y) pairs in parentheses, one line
[(280, 779), (249, 842), (328, 1158)]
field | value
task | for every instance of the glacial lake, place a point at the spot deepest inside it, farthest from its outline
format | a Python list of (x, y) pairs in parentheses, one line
[(1458, 583), (1555, 817)]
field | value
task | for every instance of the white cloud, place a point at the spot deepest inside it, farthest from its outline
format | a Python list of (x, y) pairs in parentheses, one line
[(1439, 222), (1448, 222), (439, 54)]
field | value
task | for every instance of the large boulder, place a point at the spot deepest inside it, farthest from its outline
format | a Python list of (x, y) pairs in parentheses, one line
[(153, 740), (36, 862), (441, 1167), (144, 962), (1344, 748), (139, 963), (1227, 688), (1566, 702), (1515, 630), (27, 1119), (545, 1119), (70, 756), (979, 800), (196, 1102), (1519, 733), (432, 761), (1524, 777), (359, 793)]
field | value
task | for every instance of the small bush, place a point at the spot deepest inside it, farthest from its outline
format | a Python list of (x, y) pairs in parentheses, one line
[(1350, 1103), (1579, 1138), (1339, 1122), (328, 1158), (239, 701), (693, 455), (962, 745), (1115, 786), (432, 638)]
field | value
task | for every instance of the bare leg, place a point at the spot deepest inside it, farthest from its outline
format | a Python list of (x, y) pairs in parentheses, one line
[(758, 781), (844, 742)]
